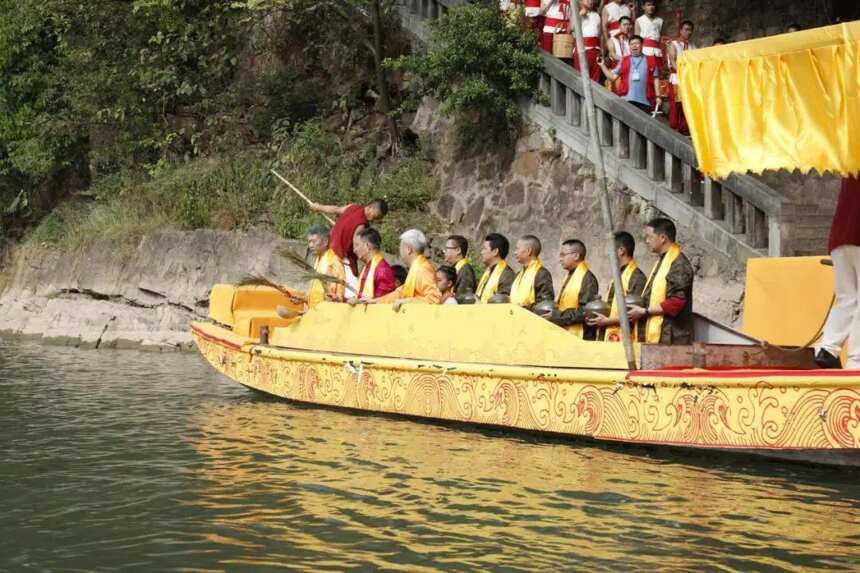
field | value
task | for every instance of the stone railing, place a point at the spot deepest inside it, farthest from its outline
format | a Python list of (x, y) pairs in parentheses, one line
[(740, 216)]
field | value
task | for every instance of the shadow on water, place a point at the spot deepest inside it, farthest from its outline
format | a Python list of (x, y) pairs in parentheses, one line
[(129, 461)]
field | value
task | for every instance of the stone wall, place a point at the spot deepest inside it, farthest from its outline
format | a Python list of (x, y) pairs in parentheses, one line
[(545, 189)]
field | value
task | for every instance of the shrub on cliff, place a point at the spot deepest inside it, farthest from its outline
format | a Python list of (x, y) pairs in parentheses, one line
[(478, 66)]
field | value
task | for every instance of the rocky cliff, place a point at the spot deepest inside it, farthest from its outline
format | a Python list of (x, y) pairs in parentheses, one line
[(144, 294)]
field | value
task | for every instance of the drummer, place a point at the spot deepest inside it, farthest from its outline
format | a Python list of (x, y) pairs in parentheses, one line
[(578, 289)]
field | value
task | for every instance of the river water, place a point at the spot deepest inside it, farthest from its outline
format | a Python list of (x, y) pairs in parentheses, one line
[(130, 461)]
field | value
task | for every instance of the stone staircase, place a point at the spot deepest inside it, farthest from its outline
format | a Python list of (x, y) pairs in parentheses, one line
[(741, 216)]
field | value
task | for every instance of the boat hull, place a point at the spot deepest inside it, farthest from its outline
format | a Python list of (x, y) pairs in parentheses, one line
[(793, 416)]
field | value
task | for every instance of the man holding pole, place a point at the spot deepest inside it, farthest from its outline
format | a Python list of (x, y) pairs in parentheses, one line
[(350, 220)]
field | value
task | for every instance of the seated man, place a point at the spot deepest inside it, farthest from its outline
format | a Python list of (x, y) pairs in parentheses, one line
[(446, 278), (456, 249), (377, 278), (420, 284), (325, 262), (669, 291), (498, 276), (533, 284), (579, 288), (633, 282)]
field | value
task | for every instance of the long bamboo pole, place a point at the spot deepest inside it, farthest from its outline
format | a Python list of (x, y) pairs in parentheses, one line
[(600, 173), (300, 194)]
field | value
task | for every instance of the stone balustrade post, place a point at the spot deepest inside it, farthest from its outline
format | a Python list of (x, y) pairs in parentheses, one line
[(656, 162), (714, 208)]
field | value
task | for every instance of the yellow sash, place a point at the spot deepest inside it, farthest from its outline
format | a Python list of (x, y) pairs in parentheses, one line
[(658, 283), (461, 263), (613, 333), (367, 291), (323, 265), (408, 290), (490, 281), (569, 296), (523, 290)]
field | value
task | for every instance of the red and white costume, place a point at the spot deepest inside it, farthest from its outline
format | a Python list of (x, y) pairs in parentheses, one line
[(591, 34), (557, 22), (614, 13), (651, 30), (532, 8), (621, 46)]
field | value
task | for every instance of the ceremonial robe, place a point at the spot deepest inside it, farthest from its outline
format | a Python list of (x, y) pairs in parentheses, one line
[(533, 284), (579, 288), (328, 264), (633, 280), (377, 278), (466, 281), (671, 286), (419, 286), (497, 279), (343, 232)]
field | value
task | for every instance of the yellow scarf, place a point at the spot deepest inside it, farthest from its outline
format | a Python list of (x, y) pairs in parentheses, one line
[(523, 290), (613, 333), (323, 265), (658, 283), (490, 281), (461, 263), (408, 290), (367, 291), (569, 296)]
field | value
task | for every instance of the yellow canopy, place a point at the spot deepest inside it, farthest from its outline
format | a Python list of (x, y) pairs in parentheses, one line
[(784, 102)]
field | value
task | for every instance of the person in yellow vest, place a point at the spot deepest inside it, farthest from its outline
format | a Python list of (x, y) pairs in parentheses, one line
[(325, 262), (456, 251), (533, 284), (633, 281), (578, 289), (420, 285), (498, 276), (669, 290)]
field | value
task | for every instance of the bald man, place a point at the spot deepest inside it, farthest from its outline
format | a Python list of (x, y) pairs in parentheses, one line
[(533, 284)]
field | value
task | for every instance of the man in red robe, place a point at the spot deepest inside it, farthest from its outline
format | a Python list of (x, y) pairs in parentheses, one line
[(351, 219), (377, 277), (843, 324)]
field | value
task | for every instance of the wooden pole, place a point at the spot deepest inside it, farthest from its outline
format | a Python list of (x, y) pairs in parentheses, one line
[(300, 194), (600, 173)]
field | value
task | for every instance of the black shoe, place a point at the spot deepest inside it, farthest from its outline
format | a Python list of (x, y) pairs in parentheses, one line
[(826, 360)]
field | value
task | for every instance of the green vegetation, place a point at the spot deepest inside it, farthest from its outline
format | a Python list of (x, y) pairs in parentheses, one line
[(479, 66)]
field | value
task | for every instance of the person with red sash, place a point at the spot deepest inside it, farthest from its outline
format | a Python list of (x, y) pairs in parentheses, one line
[(534, 11), (619, 44), (591, 39), (556, 21), (613, 12), (377, 277), (639, 77), (351, 219), (649, 27), (675, 50), (843, 324), (668, 294)]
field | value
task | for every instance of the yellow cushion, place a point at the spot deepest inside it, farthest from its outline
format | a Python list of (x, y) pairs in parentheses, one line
[(221, 303)]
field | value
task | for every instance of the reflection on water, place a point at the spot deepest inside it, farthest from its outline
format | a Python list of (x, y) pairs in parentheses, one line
[(136, 461)]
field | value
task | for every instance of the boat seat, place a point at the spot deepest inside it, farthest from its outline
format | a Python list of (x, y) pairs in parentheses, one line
[(250, 324), (231, 304)]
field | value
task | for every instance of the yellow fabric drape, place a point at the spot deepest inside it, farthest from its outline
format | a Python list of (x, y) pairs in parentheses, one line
[(659, 285), (419, 286), (783, 102), (523, 289), (489, 283), (327, 264), (613, 333), (569, 296), (369, 287)]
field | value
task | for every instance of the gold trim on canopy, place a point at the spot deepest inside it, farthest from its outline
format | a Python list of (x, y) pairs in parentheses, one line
[(783, 102)]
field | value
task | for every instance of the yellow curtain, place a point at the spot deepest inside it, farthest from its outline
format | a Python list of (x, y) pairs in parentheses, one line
[(783, 102)]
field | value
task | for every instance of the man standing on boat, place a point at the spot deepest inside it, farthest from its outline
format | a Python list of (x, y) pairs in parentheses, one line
[(350, 220), (579, 288), (669, 291), (533, 284), (456, 249), (633, 282), (844, 245), (420, 285), (498, 276), (377, 277)]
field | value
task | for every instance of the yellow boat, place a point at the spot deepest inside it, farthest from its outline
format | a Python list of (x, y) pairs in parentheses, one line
[(500, 365)]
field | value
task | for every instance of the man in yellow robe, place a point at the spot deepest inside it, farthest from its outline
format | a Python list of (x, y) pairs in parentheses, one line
[(579, 288), (498, 276), (325, 262), (533, 284), (669, 290), (633, 282), (420, 285)]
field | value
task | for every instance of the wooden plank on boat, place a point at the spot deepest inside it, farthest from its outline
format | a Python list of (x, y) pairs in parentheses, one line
[(698, 355)]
